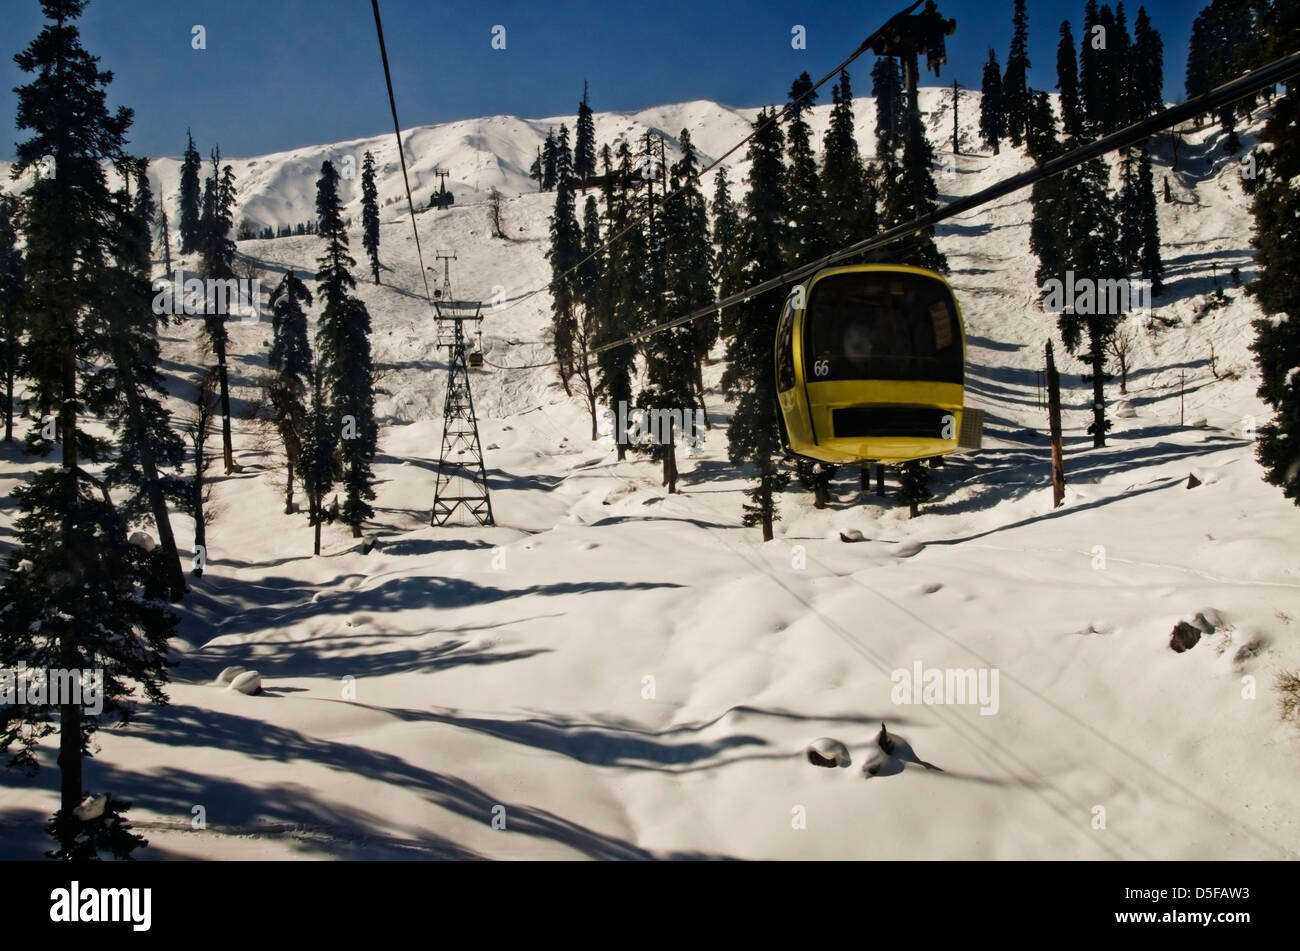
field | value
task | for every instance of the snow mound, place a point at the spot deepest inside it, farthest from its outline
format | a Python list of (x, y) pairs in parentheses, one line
[(249, 682), (828, 752)]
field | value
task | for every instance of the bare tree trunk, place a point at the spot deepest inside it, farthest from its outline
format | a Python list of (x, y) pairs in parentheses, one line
[(70, 775), (314, 515), (152, 485), (699, 387), (1098, 396), (200, 528), (765, 505), (670, 462), (288, 490), (227, 452), (1054, 428), (9, 398)]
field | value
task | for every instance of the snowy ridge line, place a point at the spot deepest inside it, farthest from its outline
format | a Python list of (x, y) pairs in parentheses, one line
[(760, 565), (401, 152), (775, 117)]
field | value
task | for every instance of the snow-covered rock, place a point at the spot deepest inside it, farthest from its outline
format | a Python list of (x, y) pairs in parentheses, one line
[(825, 751), (249, 682), (143, 540), (92, 807)]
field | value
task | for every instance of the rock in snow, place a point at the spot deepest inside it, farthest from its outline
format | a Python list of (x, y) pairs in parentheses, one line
[(249, 682), (92, 807), (827, 752), (891, 754), (142, 540), (1184, 637), (229, 674)]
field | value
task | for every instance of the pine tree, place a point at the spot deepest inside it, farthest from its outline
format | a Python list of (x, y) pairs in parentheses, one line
[(672, 367), (910, 193), (850, 203), (1130, 214), (77, 596), (1040, 130), (1150, 262), (344, 356), (548, 161), (1148, 68), (1276, 207), (1225, 42), (150, 453), (1110, 94), (291, 380), (217, 261), (370, 214), (191, 167), (891, 107), (1092, 69), (1045, 196), (726, 231), (165, 241), (564, 254), (1015, 89), (806, 239), (754, 436), (913, 486), (1067, 81), (11, 291), (590, 280), (145, 211), (1120, 50), (1088, 240), (535, 170), (584, 146), (616, 365), (691, 261), (318, 467), (992, 117)]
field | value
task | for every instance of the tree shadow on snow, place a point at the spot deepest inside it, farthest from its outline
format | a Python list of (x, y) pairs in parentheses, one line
[(174, 791)]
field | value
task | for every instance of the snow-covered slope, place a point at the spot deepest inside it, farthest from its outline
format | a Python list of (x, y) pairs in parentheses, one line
[(614, 672)]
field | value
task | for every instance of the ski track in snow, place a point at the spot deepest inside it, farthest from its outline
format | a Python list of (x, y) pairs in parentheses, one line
[(521, 694)]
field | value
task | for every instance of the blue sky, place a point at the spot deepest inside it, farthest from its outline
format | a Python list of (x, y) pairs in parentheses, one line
[(278, 74)]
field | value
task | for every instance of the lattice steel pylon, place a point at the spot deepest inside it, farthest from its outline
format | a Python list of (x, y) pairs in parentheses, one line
[(462, 478)]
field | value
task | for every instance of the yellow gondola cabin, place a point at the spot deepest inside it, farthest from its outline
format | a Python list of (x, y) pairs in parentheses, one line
[(870, 367)]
